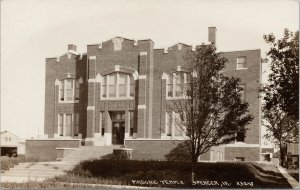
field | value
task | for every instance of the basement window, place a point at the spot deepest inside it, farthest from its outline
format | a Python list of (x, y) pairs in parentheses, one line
[(239, 159)]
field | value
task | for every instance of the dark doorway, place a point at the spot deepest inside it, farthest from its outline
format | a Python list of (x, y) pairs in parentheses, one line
[(118, 127)]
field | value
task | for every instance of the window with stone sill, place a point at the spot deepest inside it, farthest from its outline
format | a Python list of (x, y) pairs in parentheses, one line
[(69, 90), (117, 85), (131, 123), (177, 83), (68, 125), (174, 126), (241, 63)]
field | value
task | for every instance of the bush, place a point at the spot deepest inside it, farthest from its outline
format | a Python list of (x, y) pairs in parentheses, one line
[(8, 162)]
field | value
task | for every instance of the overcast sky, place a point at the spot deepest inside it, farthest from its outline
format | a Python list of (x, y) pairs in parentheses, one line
[(32, 30)]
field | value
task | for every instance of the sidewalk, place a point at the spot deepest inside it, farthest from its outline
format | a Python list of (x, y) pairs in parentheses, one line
[(294, 183), (19, 179)]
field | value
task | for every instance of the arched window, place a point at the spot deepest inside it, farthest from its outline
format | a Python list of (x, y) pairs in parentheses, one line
[(177, 83), (117, 85)]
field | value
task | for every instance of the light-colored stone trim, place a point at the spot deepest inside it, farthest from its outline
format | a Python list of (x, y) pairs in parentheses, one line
[(53, 139), (241, 144), (92, 57), (179, 46), (90, 108), (142, 76), (164, 76), (57, 82), (141, 107), (73, 52), (117, 68), (143, 53), (80, 80), (135, 75), (91, 80), (117, 41), (98, 78), (145, 139)]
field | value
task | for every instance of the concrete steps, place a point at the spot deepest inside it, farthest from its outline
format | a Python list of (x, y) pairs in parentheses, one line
[(39, 171), (89, 152)]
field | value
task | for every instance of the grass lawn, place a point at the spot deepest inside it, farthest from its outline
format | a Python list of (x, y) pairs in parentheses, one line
[(165, 174)]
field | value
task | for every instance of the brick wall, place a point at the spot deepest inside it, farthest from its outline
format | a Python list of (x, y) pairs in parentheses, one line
[(56, 69), (45, 150), (250, 77), (128, 56), (249, 153), (151, 149)]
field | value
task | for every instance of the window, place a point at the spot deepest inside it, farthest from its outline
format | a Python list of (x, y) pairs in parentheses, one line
[(132, 86), (69, 90), (62, 91), (177, 126), (241, 63), (170, 85), (131, 115), (68, 124), (117, 85), (61, 124), (211, 155), (112, 85), (169, 123), (240, 137), (76, 124), (122, 85), (102, 124), (239, 159), (177, 83), (242, 92), (174, 127), (77, 92)]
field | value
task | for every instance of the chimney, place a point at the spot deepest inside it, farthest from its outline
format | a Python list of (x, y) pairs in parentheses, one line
[(212, 35), (72, 47)]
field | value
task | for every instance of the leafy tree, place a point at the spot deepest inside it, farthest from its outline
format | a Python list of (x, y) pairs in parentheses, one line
[(283, 83), (281, 129), (212, 112)]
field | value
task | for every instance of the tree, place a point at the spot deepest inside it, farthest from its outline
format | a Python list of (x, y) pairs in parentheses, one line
[(212, 112), (281, 129), (283, 83)]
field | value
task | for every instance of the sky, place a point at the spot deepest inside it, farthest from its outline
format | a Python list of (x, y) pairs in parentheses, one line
[(32, 30)]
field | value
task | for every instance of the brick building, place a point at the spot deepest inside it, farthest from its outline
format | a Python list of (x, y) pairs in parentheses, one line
[(120, 92)]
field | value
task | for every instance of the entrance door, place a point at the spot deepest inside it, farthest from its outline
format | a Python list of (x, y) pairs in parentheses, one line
[(118, 132), (118, 127)]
